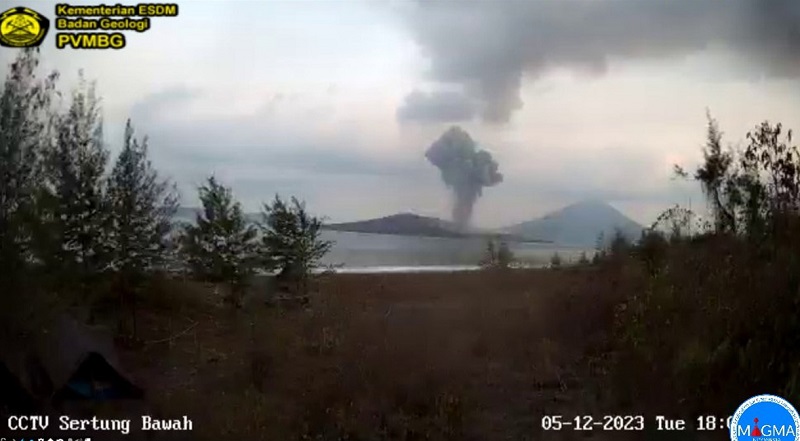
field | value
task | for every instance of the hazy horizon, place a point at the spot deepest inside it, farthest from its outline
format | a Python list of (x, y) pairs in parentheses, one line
[(513, 223), (337, 102)]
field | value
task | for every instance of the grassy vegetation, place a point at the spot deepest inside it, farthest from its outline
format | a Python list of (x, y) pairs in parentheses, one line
[(427, 356), (686, 322), (715, 320)]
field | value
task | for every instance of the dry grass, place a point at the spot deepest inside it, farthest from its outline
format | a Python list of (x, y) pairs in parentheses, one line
[(471, 355), (427, 356)]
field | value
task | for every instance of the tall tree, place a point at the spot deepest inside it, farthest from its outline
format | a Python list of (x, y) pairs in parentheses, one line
[(25, 108), (714, 176), (290, 241), (220, 246), (141, 207), (25, 101), (75, 194)]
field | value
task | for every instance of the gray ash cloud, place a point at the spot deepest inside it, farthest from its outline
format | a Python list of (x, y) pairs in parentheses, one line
[(436, 107), (465, 169), (488, 47)]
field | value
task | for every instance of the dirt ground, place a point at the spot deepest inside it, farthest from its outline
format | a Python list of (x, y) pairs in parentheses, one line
[(470, 355), (450, 356)]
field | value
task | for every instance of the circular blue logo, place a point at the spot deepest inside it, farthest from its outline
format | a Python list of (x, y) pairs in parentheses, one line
[(765, 418)]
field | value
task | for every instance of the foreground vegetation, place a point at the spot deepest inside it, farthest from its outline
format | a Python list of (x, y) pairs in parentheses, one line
[(719, 310), (690, 320), (467, 356), (78, 230)]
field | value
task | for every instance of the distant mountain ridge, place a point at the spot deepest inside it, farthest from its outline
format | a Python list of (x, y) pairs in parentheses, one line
[(578, 224), (409, 224)]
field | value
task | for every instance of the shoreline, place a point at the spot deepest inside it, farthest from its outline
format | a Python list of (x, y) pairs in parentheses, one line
[(415, 269), (482, 236), (403, 269)]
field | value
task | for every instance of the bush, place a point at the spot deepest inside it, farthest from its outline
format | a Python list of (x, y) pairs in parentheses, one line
[(652, 248)]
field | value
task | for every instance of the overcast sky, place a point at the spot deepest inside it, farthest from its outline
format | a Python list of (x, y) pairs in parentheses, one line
[(336, 101)]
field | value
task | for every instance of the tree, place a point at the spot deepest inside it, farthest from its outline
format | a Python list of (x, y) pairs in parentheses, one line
[(490, 255), (141, 207), (290, 241), (756, 191), (620, 245), (714, 176), (770, 182), (600, 248), (220, 246), (555, 260), (74, 203), (25, 108), (497, 255), (25, 101)]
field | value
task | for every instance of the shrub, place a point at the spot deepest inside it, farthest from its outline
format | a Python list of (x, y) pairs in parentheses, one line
[(652, 248)]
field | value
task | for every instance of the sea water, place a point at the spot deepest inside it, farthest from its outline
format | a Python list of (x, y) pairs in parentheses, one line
[(370, 253)]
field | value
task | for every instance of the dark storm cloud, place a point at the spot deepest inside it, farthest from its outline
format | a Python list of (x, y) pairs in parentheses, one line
[(436, 107), (487, 47)]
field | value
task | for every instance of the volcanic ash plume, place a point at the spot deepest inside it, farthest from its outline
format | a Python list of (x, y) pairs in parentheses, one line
[(465, 169)]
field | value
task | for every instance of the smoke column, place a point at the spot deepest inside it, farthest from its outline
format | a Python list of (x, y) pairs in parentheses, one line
[(465, 170)]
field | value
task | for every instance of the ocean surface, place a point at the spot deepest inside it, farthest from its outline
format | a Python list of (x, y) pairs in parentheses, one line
[(364, 252)]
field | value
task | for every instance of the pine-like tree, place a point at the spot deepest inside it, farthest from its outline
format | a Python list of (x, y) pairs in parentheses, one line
[(75, 200), (290, 242), (141, 207), (24, 110), (220, 246)]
